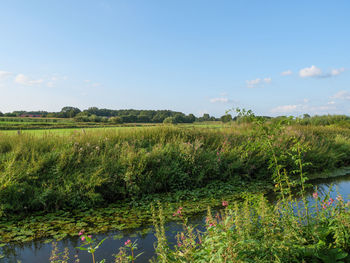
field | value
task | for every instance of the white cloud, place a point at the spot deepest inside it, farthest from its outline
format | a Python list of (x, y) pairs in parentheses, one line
[(219, 100), (4, 74), (342, 95), (305, 108), (316, 72), (312, 71), (267, 80), (257, 82), (24, 80), (253, 82), (335, 72), (332, 102), (287, 108), (287, 72)]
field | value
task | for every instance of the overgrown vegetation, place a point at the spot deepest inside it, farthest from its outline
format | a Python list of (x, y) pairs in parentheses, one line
[(293, 229), (79, 171)]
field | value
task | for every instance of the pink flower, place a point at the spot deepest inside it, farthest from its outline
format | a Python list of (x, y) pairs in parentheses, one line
[(212, 224), (127, 242), (82, 238), (178, 212), (179, 244), (90, 236), (224, 203), (81, 232), (315, 195)]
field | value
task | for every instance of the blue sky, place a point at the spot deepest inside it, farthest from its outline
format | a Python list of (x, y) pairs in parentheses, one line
[(194, 56)]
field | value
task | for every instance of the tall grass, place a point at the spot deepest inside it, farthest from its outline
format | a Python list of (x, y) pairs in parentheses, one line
[(92, 169)]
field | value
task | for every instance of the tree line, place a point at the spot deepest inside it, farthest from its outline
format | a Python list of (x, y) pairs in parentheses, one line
[(94, 114)]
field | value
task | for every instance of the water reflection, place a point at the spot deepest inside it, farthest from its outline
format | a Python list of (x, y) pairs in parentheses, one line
[(39, 251)]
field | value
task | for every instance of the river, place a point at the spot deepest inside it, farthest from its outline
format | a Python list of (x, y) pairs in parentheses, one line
[(39, 251)]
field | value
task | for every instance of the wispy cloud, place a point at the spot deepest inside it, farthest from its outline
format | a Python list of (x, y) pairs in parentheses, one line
[(287, 108), (342, 95), (24, 80), (258, 82), (304, 108), (335, 72), (287, 72), (316, 72), (220, 100)]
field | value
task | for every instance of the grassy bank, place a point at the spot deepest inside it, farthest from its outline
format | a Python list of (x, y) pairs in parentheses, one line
[(94, 169)]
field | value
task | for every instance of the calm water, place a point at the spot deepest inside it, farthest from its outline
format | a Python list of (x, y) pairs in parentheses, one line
[(37, 252)]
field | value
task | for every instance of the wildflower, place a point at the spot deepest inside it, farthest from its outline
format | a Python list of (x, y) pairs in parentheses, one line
[(128, 242), (331, 200), (179, 244), (82, 238), (90, 236), (315, 195), (178, 212), (81, 232), (340, 198), (212, 224), (224, 203)]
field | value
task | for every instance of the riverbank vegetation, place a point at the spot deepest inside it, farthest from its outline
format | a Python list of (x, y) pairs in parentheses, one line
[(53, 186), (291, 229), (49, 173), (84, 171)]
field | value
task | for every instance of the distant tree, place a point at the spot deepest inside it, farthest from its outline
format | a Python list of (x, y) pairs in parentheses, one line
[(104, 119), (190, 118), (143, 118), (1, 114), (93, 110), (94, 118), (169, 120), (206, 117), (305, 116), (179, 117), (10, 114), (69, 112), (115, 120), (82, 117), (226, 118), (160, 117)]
